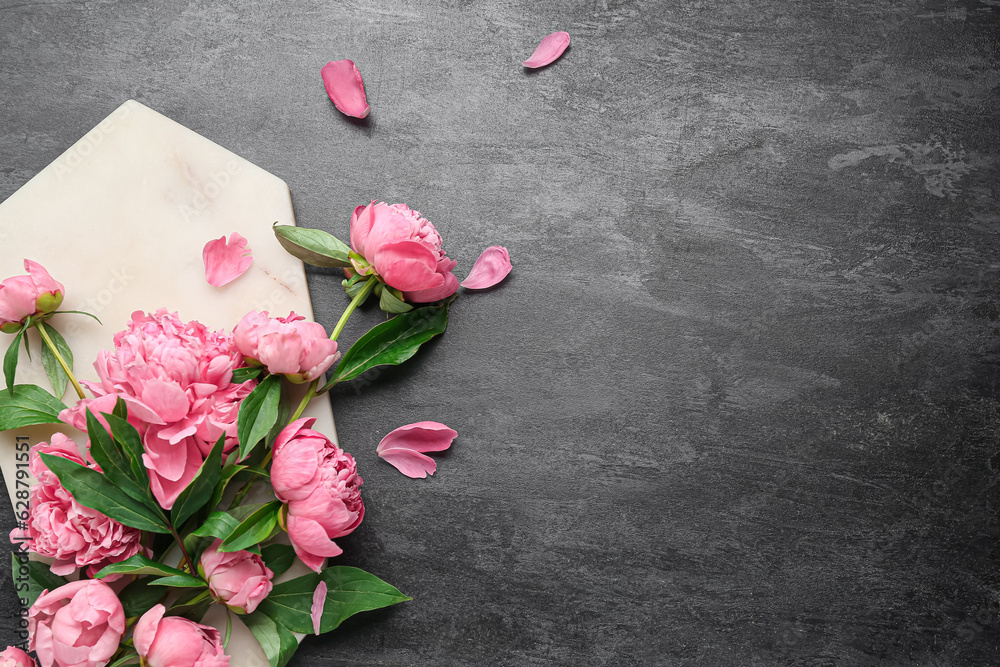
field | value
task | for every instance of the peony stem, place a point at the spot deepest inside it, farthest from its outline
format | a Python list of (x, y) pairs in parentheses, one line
[(355, 302), (229, 628), (62, 362)]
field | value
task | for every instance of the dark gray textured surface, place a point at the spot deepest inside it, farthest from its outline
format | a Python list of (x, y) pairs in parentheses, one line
[(736, 405)]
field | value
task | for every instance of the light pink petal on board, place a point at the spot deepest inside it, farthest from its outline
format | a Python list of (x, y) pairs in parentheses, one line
[(549, 50), (492, 266), (225, 262), (319, 602), (403, 446), (344, 86)]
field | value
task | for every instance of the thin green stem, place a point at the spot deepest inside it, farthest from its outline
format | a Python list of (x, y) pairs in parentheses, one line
[(62, 362), (187, 559), (355, 302), (229, 628)]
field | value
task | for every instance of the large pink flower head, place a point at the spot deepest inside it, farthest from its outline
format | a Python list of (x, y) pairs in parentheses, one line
[(15, 657), (177, 642), (76, 625), (34, 294), (289, 346), (176, 379), (238, 579), (62, 529), (320, 484), (404, 249)]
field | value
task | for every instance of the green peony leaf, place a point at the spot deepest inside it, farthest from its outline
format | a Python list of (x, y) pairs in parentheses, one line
[(32, 577), (258, 413), (278, 557), (241, 375), (139, 564), (114, 464), (202, 486), (57, 376), (254, 529), (27, 405), (278, 642), (313, 246)]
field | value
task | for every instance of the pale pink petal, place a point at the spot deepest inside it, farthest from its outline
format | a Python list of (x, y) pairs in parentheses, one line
[(549, 50), (319, 602), (344, 86), (403, 445), (225, 262), (492, 266)]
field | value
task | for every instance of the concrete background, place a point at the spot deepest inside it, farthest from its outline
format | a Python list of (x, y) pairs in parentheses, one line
[(738, 402)]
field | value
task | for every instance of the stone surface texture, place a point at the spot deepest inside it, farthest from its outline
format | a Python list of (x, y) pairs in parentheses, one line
[(737, 404)]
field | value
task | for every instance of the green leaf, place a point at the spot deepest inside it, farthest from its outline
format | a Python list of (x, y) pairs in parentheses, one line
[(128, 658), (10, 361), (179, 581), (258, 413), (391, 342), (278, 642), (391, 301), (200, 489), (313, 246), (129, 441), (57, 376), (116, 468), (278, 557), (92, 489), (38, 578), (355, 285), (241, 375), (27, 405), (254, 529), (139, 564), (137, 598), (225, 476), (349, 591), (79, 312), (191, 604), (218, 524)]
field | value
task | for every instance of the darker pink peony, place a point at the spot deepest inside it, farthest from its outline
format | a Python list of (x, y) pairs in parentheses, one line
[(76, 625), (177, 642), (34, 294), (60, 528), (404, 249), (15, 657), (176, 379), (289, 346), (237, 579), (320, 484)]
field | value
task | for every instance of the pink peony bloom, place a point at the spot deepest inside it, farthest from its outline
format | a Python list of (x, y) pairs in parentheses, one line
[(319, 483), (62, 529), (289, 346), (177, 642), (343, 84), (176, 379), (403, 446), (34, 294), (225, 262), (492, 266), (549, 50), (15, 657), (76, 625), (238, 579), (404, 249)]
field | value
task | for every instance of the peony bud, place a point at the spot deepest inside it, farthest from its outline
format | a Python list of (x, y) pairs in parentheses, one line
[(23, 296), (177, 642), (238, 579), (76, 625)]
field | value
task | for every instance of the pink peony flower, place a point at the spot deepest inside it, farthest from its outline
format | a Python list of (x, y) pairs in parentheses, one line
[(61, 528), (76, 625), (177, 642), (492, 266), (548, 50), (402, 447), (238, 579), (319, 483), (34, 294), (290, 346), (225, 262), (15, 657), (404, 250), (343, 84), (176, 379)]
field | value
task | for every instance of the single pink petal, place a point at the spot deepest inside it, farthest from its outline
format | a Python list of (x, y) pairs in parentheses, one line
[(549, 50), (224, 262), (492, 266), (403, 445), (319, 602), (344, 86)]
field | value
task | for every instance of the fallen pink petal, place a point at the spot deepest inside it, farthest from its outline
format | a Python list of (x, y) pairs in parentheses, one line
[(403, 447), (344, 86), (225, 262), (549, 50), (318, 603), (492, 266)]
